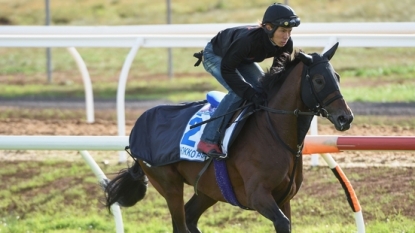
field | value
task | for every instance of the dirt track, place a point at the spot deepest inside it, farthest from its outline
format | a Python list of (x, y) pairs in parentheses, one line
[(366, 170), (105, 124)]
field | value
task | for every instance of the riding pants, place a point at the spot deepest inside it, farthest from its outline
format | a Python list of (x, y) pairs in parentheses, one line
[(249, 72)]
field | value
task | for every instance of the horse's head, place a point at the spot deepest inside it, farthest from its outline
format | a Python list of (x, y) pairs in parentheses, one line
[(320, 90)]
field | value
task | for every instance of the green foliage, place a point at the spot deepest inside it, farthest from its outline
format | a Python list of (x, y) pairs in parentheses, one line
[(67, 203), (383, 93), (126, 12), (367, 73)]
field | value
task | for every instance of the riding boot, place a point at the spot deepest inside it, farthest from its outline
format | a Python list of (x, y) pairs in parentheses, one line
[(210, 140), (211, 149)]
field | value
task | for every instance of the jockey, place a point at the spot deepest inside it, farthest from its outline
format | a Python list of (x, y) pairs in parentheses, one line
[(231, 57)]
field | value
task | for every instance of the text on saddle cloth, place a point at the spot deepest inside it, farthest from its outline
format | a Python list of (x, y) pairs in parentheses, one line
[(191, 137)]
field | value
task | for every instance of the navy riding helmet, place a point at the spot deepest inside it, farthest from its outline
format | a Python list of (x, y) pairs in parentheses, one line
[(279, 15)]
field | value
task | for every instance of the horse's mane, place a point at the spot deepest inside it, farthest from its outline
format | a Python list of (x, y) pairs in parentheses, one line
[(275, 77), (271, 83)]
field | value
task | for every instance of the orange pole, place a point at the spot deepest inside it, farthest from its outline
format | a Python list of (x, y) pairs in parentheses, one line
[(318, 144)]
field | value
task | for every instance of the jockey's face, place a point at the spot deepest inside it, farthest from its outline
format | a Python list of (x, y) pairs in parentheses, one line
[(281, 36)]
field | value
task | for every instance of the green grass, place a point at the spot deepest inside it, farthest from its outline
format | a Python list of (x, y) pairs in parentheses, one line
[(368, 74), (124, 12), (57, 196), (384, 93)]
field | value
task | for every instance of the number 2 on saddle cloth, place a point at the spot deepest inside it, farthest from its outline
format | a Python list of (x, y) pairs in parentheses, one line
[(192, 134)]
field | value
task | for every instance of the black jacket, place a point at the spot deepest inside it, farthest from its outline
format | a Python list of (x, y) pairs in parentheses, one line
[(244, 44)]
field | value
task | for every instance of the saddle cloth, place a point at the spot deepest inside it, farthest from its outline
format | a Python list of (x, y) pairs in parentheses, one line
[(162, 134)]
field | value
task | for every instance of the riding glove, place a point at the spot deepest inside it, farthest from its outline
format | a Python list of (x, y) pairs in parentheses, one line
[(258, 99)]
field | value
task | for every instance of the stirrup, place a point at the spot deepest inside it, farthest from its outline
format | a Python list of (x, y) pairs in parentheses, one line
[(214, 155)]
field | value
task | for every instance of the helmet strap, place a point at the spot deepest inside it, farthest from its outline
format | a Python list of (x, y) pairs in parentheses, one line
[(272, 42), (270, 32)]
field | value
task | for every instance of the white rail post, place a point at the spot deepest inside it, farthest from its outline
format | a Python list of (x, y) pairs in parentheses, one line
[(89, 96), (121, 93), (314, 127), (314, 131), (115, 208)]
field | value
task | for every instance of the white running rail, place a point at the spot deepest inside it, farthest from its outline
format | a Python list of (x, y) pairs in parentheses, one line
[(189, 35)]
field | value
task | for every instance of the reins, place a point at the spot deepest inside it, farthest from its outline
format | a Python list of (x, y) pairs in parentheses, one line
[(318, 110), (297, 154), (296, 112), (214, 118)]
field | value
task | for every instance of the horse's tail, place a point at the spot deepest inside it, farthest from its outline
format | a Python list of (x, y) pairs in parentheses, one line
[(127, 188)]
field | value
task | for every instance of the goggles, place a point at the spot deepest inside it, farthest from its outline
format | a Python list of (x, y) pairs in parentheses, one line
[(292, 22)]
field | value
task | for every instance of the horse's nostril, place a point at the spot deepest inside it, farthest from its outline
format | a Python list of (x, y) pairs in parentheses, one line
[(344, 119)]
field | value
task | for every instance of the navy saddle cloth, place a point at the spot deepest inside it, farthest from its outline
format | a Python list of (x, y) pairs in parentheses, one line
[(162, 134), (156, 135)]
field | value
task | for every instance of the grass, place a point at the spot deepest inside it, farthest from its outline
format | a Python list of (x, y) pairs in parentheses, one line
[(51, 195), (384, 93), (124, 12)]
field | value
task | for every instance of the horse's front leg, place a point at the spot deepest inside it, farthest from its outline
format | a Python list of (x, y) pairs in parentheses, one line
[(262, 201), (286, 209)]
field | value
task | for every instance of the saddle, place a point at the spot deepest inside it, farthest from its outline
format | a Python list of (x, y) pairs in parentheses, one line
[(163, 134)]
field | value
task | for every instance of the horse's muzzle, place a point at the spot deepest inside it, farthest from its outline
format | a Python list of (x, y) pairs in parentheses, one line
[(342, 122)]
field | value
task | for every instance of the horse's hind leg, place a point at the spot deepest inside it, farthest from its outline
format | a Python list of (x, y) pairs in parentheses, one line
[(169, 183), (174, 198), (194, 208)]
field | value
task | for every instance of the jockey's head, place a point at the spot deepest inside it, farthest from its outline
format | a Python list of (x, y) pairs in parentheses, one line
[(279, 15)]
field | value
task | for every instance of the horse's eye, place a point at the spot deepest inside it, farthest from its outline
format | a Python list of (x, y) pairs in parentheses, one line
[(318, 82)]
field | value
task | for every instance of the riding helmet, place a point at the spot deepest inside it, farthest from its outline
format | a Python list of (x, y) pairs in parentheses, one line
[(280, 15)]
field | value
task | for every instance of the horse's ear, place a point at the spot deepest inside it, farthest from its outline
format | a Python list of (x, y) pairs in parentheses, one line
[(305, 58), (330, 53)]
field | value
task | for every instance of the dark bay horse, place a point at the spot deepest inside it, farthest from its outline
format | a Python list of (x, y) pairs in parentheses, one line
[(264, 162)]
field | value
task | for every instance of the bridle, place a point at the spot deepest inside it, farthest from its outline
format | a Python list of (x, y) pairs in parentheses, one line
[(317, 103), (316, 106)]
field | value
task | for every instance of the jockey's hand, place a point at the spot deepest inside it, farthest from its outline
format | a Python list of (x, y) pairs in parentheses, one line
[(258, 99)]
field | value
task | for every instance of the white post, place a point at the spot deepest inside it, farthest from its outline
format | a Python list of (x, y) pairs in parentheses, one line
[(313, 126), (48, 50), (115, 208), (121, 93), (89, 96), (314, 131)]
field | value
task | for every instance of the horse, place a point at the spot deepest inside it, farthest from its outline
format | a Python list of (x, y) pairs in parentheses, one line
[(264, 161)]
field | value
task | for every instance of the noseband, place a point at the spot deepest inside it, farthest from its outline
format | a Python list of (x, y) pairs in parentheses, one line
[(315, 100)]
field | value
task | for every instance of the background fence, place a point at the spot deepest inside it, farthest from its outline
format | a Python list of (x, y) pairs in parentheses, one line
[(189, 35), (308, 35)]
